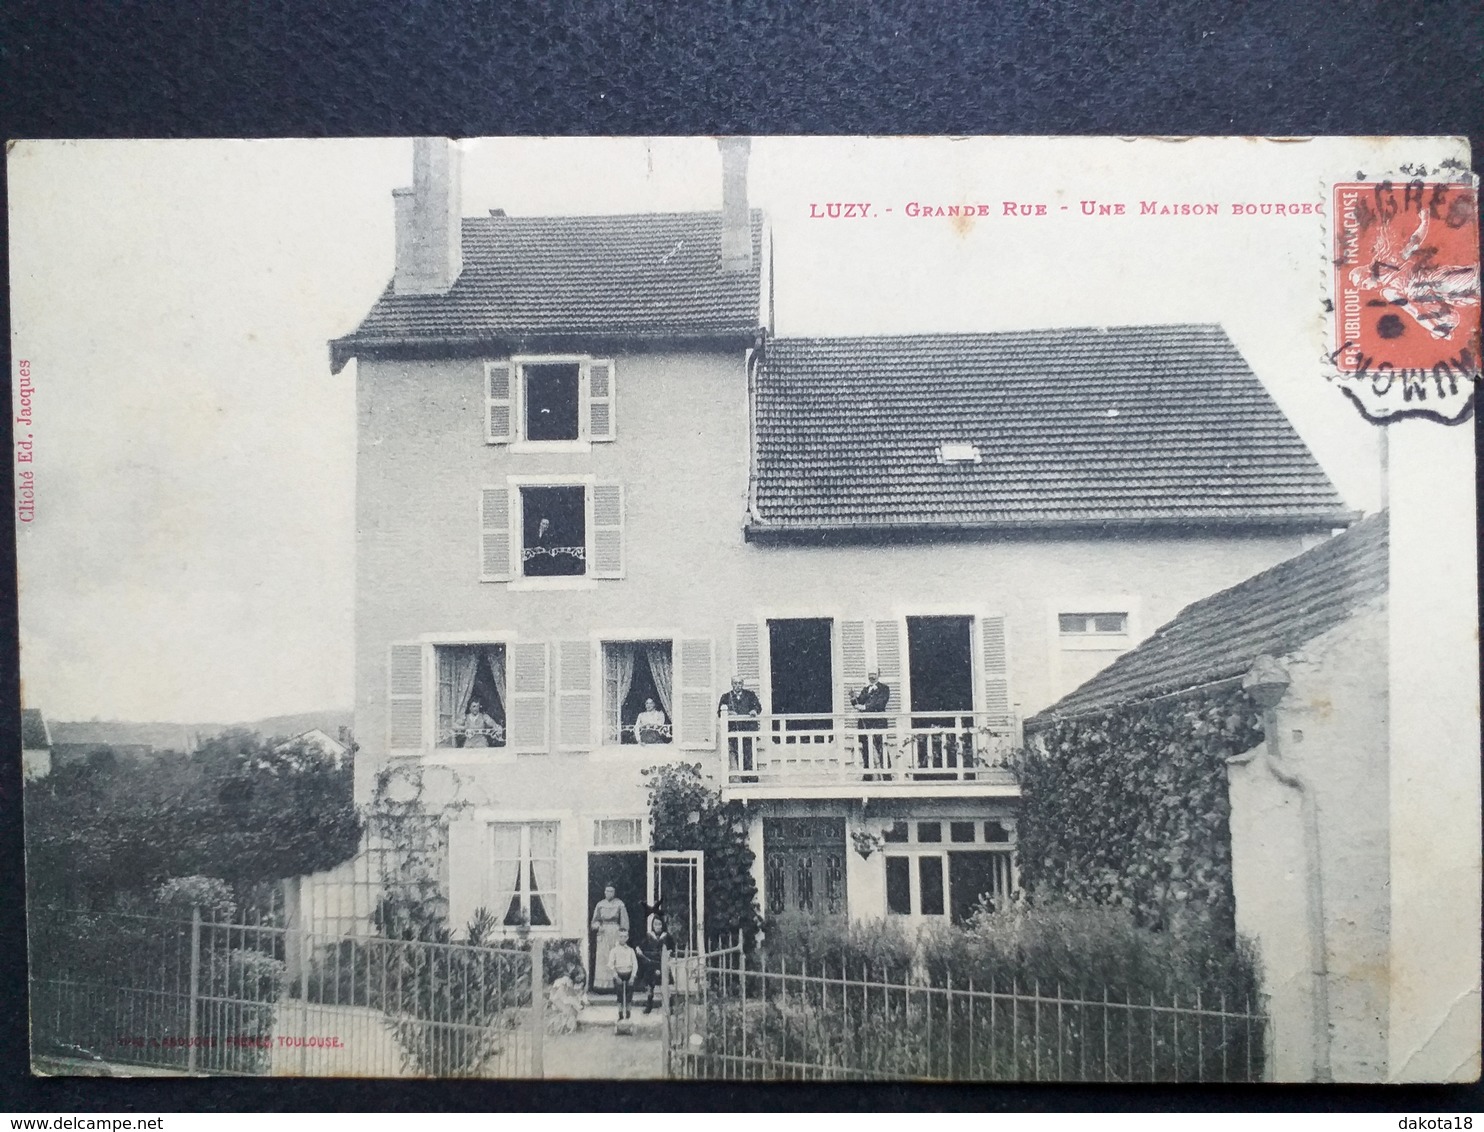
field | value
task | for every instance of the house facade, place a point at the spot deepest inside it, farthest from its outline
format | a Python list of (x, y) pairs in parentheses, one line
[(594, 489)]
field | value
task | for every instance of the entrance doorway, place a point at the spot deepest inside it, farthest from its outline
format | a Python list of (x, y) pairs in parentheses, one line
[(626, 873), (804, 866)]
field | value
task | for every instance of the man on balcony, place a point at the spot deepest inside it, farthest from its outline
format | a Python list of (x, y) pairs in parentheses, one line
[(742, 707), (870, 702)]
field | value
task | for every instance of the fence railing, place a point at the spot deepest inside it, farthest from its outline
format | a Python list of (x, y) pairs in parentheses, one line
[(886, 747), (748, 1019), (208, 997)]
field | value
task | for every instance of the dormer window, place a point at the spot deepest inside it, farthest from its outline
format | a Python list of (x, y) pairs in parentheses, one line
[(549, 401)]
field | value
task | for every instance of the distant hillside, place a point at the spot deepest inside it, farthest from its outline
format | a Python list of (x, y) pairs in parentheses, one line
[(186, 736)]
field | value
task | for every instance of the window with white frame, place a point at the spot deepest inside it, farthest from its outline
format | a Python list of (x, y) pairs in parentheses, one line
[(526, 863), (1089, 642), (546, 529), (471, 695), (619, 833), (638, 692), (951, 867), (546, 400), (1093, 624)]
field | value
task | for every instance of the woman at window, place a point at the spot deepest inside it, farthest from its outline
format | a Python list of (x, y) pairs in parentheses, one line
[(479, 728), (651, 725)]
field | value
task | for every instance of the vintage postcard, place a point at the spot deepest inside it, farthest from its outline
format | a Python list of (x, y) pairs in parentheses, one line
[(983, 609)]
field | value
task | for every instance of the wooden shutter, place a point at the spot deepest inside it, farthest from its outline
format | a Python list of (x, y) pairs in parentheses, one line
[(601, 402), (494, 535), (746, 654), (996, 668), (607, 531), (853, 657), (889, 660), (404, 697), (526, 713), (574, 695), (468, 872), (695, 693), (499, 384)]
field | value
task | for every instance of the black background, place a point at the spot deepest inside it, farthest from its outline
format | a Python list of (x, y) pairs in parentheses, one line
[(125, 69)]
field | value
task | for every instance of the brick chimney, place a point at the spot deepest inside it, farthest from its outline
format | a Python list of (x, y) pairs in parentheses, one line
[(429, 221), (736, 218)]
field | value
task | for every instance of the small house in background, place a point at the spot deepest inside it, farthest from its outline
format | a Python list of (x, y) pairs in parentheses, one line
[(332, 748), (36, 745), (1310, 806)]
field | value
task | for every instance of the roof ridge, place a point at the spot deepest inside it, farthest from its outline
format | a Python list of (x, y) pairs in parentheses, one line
[(1020, 331)]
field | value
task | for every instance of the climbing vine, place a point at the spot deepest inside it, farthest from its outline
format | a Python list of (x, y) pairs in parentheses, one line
[(687, 812), (1129, 808)]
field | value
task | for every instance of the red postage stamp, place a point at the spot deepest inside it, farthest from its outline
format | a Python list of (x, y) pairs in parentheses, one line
[(1406, 297)]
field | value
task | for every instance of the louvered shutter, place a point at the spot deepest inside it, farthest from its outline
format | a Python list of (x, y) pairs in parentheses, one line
[(574, 695), (499, 382), (607, 527), (526, 712), (889, 660), (494, 535), (996, 671), (468, 872), (852, 657), (404, 697), (695, 693), (600, 400), (746, 654)]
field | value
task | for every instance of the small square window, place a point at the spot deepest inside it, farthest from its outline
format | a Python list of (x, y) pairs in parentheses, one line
[(929, 831), (899, 886), (996, 831), (897, 832), (1110, 623), (554, 531), (961, 831)]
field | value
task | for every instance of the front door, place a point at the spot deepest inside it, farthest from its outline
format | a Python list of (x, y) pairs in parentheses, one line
[(804, 866), (625, 873)]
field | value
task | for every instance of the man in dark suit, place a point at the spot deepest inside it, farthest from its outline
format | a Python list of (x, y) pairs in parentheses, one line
[(871, 703), (742, 707)]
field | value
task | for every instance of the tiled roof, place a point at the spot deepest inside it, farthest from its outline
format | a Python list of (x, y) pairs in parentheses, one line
[(643, 276), (1218, 637), (1073, 427)]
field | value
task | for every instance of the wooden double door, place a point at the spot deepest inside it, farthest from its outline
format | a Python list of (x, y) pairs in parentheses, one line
[(804, 866)]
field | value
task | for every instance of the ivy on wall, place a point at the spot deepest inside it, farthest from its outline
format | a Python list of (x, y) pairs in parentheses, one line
[(687, 812), (1129, 808)]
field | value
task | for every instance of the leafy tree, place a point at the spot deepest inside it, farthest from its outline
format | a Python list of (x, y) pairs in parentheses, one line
[(241, 808), (686, 812)]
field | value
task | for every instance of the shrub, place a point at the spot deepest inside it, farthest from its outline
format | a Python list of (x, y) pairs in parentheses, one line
[(879, 949), (178, 896)]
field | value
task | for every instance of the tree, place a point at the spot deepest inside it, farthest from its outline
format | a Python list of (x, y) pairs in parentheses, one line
[(241, 808)]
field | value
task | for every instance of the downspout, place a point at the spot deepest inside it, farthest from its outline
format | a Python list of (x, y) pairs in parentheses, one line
[(1266, 682), (754, 358)]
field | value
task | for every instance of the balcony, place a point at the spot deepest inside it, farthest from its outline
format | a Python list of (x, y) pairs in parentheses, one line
[(857, 753)]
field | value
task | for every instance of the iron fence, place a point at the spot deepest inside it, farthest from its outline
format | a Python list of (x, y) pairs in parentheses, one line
[(209, 997), (746, 1018)]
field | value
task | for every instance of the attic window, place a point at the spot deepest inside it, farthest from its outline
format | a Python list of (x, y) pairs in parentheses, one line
[(958, 453), (1107, 624)]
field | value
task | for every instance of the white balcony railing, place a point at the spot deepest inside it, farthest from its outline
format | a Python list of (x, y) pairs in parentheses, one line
[(862, 747)]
